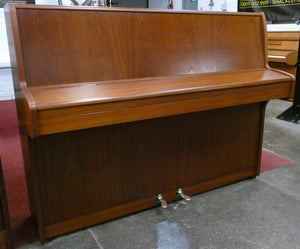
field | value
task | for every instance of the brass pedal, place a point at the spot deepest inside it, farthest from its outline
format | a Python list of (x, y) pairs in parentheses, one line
[(182, 195), (162, 202)]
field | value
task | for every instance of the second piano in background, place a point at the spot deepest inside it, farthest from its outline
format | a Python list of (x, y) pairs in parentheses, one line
[(283, 50)]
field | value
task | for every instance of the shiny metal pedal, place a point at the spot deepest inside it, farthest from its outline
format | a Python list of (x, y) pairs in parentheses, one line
[(182, 195), (162, 202)]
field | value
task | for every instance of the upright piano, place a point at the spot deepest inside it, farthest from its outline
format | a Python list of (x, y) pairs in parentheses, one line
[(283, 50), (124, 109)]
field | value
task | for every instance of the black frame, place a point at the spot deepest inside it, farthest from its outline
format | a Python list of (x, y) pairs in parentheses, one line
[(292, 114)]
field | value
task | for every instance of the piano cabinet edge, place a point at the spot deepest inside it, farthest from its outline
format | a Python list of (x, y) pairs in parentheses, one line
[(65, 119), (40, 174)]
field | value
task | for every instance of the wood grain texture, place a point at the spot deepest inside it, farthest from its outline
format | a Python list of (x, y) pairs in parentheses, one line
[(117, 164), (64, 108), (129, 90), (116, 106), (125, 209), (130, 162), (283, 35), (87, 46), (240, 136), (72, 60), (165, 107)]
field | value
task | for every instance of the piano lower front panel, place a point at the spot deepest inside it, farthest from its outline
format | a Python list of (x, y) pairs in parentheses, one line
[(88, 176)]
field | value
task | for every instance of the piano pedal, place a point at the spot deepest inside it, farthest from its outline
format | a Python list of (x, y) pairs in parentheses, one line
[(182, 195), (161, 201)]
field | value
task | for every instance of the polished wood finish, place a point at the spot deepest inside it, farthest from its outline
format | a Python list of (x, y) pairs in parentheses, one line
[(135, 206), (114, 50), (6, 241), (283, 51), (60, 109), (113, 113), (151, 154)]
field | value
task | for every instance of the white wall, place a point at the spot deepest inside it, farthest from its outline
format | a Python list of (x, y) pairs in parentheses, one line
[(6, 85), (219, 5), (4, 54), (177, 4), (158, 4), (47, 2), (283, 27)]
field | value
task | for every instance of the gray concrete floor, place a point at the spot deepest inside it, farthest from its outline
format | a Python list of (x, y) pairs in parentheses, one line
[(259, 213)]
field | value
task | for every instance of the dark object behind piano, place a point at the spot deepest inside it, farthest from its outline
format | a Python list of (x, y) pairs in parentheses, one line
[(293, 113), (275, 11)]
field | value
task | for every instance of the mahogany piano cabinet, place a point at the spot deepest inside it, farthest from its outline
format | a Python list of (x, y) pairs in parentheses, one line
[(120, 109)]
